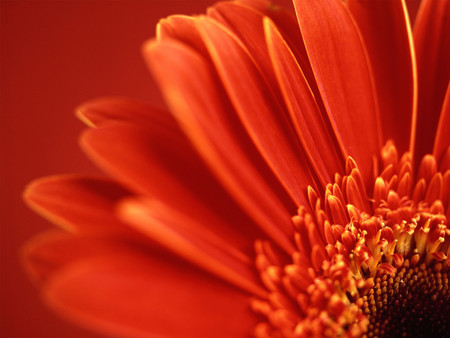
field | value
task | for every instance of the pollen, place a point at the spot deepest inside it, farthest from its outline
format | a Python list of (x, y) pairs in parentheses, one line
[(371, 258)]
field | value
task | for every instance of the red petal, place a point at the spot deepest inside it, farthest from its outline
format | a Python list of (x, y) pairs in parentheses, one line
[(99, 112), (79, 204), (247, 25), (339, 61), (442, 139), (387, 35), (50, 251), (182, 28), (315, 135), (432, 41), (193, 240), (256, 105), (246, 22), (124, 291), (287, 24), (155, 164), (196, 100), (413, 6)]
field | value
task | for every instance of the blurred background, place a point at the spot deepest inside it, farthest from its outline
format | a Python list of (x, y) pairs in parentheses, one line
[(54, 56)]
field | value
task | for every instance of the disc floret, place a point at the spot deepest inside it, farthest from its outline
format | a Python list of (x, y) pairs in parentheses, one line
[(363, 254)]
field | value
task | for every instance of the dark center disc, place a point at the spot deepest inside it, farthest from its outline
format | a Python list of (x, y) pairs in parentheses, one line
[(414, 302)]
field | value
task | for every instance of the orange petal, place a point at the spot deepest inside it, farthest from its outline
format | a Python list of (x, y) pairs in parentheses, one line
[(442, 139), (263, 116), (51, 251), (239, 17), (80, 204), (124, 291), (192, 240), (388, 38), (319, 144), (413, 7), (130, 152), (432, 42), (247, 25), (339, 62), (181, 28), (193, 95), (97, 113), (287, 25), (155, 165)]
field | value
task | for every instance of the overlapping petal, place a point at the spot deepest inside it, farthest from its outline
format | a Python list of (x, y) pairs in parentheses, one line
[(257, 106), (80, 204), (181, 28), (104, 111), (432, 44), (287, 24), (320, 146), (339, 61), (193, 240), (442, 139), (86, 277), (162, 168), (190, 91), (246, 24), (385, 28)]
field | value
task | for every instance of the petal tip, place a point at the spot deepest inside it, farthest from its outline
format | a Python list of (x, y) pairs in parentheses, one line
[(148, 46), (35, 188), (82, 112)]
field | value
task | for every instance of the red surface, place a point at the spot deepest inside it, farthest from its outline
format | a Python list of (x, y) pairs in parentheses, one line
[(55, 55)]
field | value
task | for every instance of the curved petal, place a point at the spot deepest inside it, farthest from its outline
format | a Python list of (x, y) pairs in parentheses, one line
[(247, 25), (442, 139), (244, 19), (413, 7), (129, 292), (191, 91), (192, 240), (99, 112), (388, 38), (287, 24), (50, 251), (182, 28), (80, 204), (432, 42), (154, 164), (319, 144), (340, 64), (256, 105)]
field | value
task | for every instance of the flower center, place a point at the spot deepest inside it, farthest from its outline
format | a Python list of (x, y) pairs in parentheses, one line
[(364, 266), (413, 302)]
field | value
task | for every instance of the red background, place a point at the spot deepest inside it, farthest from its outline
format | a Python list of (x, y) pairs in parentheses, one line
[(54, 56)]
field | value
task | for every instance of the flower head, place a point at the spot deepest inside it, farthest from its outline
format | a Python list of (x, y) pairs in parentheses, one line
[(299, 186)]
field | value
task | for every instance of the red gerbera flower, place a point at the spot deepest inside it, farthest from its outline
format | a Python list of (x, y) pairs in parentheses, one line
[(299, 186)]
